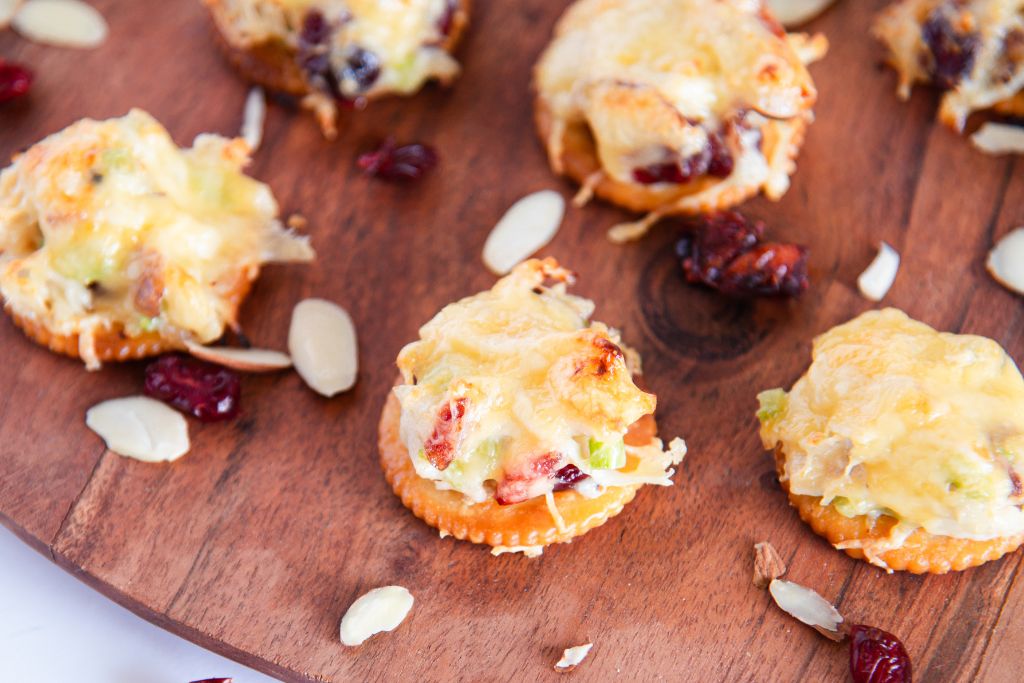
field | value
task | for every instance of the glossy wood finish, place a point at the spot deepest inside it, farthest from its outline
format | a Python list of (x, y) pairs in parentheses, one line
[(256, 542)]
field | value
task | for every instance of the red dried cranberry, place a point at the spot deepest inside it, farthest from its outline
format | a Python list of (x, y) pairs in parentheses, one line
[(15, 80), (669, 172), (714, 159), (362, 68), (952, 51), (204, 390), (568, 477), (877, 656), (720, 163), (446, 21), (315, 29), (725, 252), (767, 270), (398, 162)]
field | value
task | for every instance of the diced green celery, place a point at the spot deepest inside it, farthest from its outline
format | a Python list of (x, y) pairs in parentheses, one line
[(844, 506), (148, 324), (773, 404), (607, 455), (115, 158)]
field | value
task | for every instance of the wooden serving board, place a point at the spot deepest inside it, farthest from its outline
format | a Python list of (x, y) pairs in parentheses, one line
[(256, 542)]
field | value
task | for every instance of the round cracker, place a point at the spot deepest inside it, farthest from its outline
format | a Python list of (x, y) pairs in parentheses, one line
[(524, 524), (111, 343), (921, 553)]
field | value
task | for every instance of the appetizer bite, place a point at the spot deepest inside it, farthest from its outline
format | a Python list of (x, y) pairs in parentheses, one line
[(674, 106), (904, 446), (116, 244), (972, 49), (341, 52), (517, 422)]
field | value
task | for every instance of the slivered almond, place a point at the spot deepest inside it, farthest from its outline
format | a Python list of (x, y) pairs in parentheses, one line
[(527, 226), (805, 605), (140, 428), (571, 658), (382, 609), (253, 117), (243, 360), (874, 283), (1006, 261), (322, 343), (792, 13), (65, 23), (999, 138), (8, 8)]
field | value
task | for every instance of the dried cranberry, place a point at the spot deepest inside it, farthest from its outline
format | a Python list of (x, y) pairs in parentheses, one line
[(714, 159), (952, 51), (206, 391), (877, 656), (15, 80), (767, 270), (568, 477), (725, 252), (362, 68), (315, 29), (398, 162), (721, 163), (446, 21)]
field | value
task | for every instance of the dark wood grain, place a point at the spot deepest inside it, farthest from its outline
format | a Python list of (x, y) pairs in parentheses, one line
[(257, 541)]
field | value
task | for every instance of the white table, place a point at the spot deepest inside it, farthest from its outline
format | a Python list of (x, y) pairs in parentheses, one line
[(55, 629)]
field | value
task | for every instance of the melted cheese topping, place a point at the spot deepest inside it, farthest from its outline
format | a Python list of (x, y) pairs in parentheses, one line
[(533, 387), (404, 35), (648, 76), (895, 418), (107, 225), (995, 27)]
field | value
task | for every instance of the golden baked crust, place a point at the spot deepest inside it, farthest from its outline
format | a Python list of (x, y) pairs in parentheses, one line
[(522, 525), (921, 553), (270, 61), (710, 124)]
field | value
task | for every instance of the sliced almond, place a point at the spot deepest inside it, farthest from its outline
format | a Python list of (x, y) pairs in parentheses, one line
[(875, 281), (527, 226), (322, 342), (382, 609), (768, 564), (805, 605), (795, 12), (65, 23), (253, 117), (243, 360), (8, 8), (140, 428), (999, 138), (571, 657), (1006, 261)]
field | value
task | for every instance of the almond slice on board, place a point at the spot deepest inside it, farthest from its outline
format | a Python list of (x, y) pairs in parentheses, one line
[(876, 280), (140, 427), (999, 138), (64, 23), (382, 609), (322, 343), (571, 657), (795, 12), (253, 117), (527, 226), (1006, 261), (243, 360), (805, 605)]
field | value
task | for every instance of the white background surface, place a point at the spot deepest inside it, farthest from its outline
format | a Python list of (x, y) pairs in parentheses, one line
[(55, 629)]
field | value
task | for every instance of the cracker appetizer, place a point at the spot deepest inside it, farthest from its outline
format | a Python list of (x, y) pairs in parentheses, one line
[(972, 49), (674, 106), (341, 52), (116, 244), (904, 446), (517, 422)]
